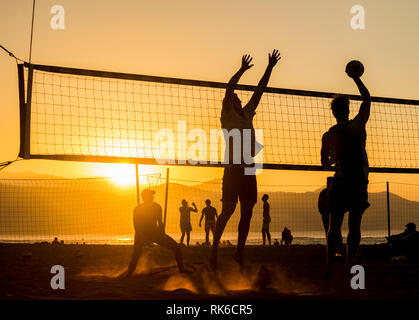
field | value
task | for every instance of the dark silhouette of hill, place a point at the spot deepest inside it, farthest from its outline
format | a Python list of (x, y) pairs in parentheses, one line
[(99, 207)]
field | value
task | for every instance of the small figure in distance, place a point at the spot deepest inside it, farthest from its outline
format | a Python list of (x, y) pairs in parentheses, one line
[(406, 243), (276, 243), (266, 220), (343, 146), (185, 220), (55, 241), (210, 214), (149, 228), (286, 237)]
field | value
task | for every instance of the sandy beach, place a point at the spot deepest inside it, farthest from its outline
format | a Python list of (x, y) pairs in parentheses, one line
[(91, 272)]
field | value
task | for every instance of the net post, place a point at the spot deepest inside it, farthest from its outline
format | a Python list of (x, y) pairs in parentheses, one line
[(137, 181), (388, 209), (27, 147), (22, 108), (165, 199)]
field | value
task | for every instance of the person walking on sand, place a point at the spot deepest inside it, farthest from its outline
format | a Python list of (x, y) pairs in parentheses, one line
[(185, 220), (149, 228), (210, 214)]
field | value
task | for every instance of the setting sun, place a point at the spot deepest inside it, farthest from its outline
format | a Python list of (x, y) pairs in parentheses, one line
[(123, 174)]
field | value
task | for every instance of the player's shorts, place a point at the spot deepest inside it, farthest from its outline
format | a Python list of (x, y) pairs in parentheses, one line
[(186, 227), (348, 195), (209, 225), (237, 185)]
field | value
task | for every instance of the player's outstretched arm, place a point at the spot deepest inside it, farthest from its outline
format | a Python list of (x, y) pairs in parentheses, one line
[(194, 209), (364, 110), (257, 95), (246, 60)]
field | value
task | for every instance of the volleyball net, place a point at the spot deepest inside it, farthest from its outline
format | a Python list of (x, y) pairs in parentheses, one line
[(88, 115), (99, 210)]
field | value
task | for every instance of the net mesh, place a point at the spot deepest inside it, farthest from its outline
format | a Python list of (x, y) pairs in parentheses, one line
[(99, 211), (102, 116)]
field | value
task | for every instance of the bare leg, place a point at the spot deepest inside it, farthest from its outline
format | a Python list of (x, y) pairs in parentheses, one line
[(263, 236), (333, 236), (138, 244), (246, 210), (325, 220), (226, 212), (354, 235), (188, 237), (207, 230), (212, 228), (167, 242), (182, 237), (269, 236)]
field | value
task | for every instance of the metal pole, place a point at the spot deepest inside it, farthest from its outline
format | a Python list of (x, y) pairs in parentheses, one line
[(388, 209), (137, 180), (33, 18), (165, 199)]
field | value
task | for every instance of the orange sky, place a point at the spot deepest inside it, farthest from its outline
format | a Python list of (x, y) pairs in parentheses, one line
[(205, 40)]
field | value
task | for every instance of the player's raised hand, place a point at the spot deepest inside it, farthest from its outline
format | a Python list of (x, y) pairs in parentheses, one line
[(246, 60), (274, 57)]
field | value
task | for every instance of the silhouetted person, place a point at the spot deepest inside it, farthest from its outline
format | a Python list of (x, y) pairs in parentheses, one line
[(286, 237), (210, 214), (324, 209), (55, 241), (266, 220), (236, 184), (276, 243), (410, 229), (149, 228), (185, 220), (405, 243), (344, 146)]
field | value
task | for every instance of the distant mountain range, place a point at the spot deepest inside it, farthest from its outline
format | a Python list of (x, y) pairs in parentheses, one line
[(100, 207), (26, 175)]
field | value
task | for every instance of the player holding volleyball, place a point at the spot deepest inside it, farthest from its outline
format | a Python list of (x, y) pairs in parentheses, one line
[(344, 146), (236, 183)]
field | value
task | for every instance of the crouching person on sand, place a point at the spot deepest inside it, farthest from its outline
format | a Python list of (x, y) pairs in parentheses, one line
[(149, 228)]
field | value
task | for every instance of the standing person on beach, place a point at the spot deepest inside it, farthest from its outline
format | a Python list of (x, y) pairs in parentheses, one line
[(239, 184), (210, 214), (266, 220), (185, 220), (149, 228), (344, 146)]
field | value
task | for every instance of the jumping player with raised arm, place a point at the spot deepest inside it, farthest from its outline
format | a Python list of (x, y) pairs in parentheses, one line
[(344, 146), (236, 184)]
